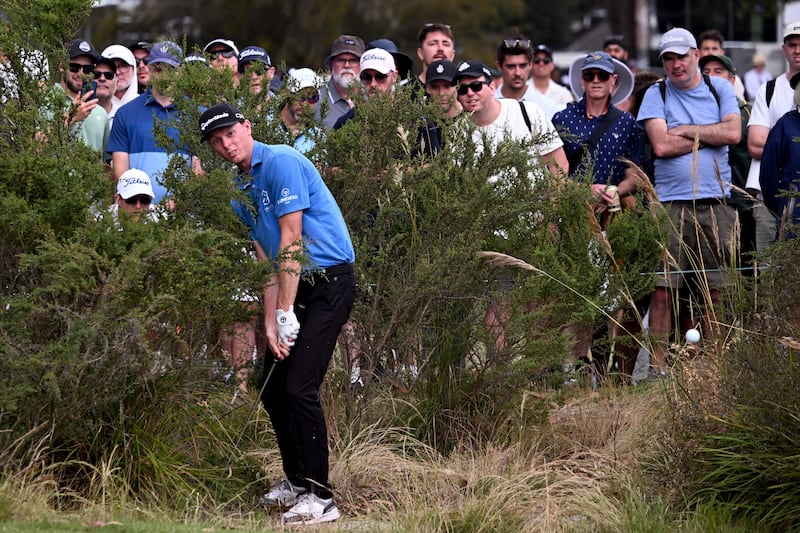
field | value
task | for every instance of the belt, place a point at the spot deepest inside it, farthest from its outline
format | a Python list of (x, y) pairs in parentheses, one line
[(324, 274), (700, 201)]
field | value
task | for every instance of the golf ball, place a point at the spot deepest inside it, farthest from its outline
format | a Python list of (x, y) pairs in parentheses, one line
[(693, 336)]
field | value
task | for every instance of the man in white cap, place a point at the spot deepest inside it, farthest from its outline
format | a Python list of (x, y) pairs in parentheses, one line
[(303, 94), (378, 75), (223, 53), (134, 194), (693, 186), (127, 86), (773, 99)]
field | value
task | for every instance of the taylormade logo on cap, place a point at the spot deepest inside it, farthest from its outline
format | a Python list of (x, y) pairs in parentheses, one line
[(215, 118)]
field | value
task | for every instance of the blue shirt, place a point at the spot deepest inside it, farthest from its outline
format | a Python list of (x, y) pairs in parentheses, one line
[(780, 168), (132, 132), (675, 178), (621, 140), (283, 181)]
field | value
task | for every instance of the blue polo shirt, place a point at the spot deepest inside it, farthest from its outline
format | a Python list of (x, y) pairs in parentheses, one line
[(283, 181), (132, 132), (621, 140)]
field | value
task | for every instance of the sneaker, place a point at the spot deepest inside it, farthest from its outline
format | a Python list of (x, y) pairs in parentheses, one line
[(282, 494), (311, 509)]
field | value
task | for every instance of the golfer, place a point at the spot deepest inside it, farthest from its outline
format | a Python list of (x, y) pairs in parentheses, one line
[(296, 224)]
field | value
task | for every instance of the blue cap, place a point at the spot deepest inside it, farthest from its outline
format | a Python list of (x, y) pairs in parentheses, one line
[(253, 53), (166, 52), (598, 60)]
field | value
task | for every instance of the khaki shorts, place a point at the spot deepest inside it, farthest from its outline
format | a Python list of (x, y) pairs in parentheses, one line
[(699, 248)]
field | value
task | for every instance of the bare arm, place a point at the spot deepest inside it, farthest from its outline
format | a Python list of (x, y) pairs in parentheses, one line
[(270, 305), (727, 131), (756, 139), (120, 162), (289, 266), (557, 162)]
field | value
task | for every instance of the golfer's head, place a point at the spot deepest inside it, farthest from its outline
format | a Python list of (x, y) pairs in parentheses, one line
[(227, 133)]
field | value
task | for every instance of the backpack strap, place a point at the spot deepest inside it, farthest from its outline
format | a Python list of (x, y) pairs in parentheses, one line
[(602, 127), (662, 87), (770, 90), (525, 116)]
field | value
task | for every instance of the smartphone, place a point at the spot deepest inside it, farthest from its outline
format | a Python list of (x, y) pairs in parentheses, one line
[(89, 86)]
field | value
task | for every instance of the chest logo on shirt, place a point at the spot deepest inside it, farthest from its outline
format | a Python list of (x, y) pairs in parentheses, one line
[(286, 196), (265, 202)]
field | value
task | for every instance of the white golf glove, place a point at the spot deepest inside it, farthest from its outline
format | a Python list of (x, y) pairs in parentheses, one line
[(288, 326)]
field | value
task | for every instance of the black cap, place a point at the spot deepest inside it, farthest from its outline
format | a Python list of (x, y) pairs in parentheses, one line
[(218, 116), (441, 69), (471, 69), (543, 48), (82, 47), (615, 40)]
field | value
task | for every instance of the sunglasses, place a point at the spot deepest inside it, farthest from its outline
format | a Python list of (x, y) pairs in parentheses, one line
[(367, 78), (476, 87), (545, 60), (227, 54), (77, 67), (99, 75), (517, 43), (590, 75), (141, 199), (345, 60), (141, 61), (313, 99), (436, 24), (258, 68)]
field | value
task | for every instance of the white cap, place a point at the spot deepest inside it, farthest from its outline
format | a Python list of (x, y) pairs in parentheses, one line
[(302, 78), (377, 59), (134, 182), (226, 42)]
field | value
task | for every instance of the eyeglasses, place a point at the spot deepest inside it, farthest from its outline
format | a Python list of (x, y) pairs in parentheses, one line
[(476, 87), (108, 75), (312, 99), (77, 67), (590, 75), (436, 24), (142, 199), (227, 54), (517, 43), (545, 60), (121, 65), (345, 60), (367, 78), (141, 61)]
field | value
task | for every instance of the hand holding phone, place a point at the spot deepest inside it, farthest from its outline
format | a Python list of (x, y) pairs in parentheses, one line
[(89, 85)]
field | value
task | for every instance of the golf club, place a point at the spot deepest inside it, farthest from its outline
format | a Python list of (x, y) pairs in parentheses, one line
[(249, 416)]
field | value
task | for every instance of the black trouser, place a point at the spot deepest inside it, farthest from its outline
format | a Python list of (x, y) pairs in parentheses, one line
[(323, 305)]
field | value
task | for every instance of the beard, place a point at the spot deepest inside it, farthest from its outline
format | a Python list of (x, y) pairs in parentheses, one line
[(345, 78)]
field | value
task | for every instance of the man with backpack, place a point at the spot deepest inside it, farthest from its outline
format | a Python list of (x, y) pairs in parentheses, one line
[(774, 99), (690, 128)]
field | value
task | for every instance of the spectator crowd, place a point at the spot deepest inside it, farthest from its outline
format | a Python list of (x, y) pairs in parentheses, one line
[(719, 150)]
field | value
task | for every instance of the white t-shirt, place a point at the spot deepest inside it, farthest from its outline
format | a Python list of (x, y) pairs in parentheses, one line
[(762, 115), (510, 124)]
